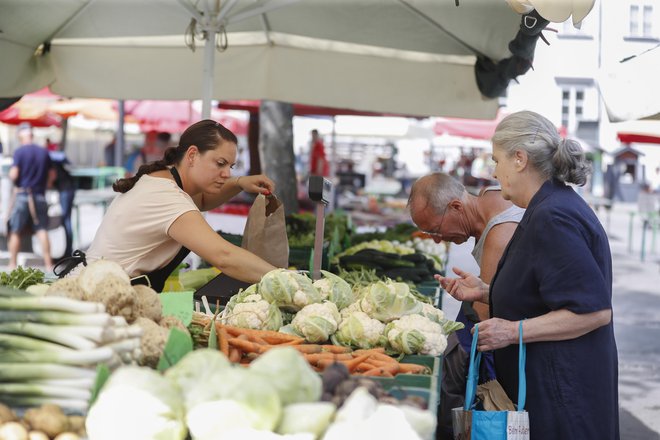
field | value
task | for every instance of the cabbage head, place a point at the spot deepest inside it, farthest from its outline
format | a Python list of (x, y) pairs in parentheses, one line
[(335, 289), (291, 375), (185, 374), (317, 322), (289, 290), (387, 301), (144, 403), (358, 330), (256, 397)]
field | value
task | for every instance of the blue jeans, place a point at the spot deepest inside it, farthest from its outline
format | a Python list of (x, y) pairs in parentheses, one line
[(66, 202)]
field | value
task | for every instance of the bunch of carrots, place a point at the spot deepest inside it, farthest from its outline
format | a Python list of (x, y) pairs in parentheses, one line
[(242, 346)]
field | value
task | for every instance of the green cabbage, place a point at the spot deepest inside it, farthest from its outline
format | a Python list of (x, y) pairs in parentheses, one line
[(185, 374), (387, 301), (312, 417), (290, 374), (290, 290), (335, 289)]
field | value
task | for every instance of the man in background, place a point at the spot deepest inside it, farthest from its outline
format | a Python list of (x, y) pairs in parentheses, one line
[(31, 173), (318, 163)]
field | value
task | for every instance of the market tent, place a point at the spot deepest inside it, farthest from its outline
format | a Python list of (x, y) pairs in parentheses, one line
[(35, 113), (391, 56), (469, 128), (630, 88)]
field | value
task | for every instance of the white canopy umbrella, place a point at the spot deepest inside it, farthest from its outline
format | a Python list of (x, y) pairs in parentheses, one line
[(411, 57), (630, 88)]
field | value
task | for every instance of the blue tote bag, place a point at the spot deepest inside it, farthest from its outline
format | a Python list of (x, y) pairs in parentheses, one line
[(471, 423)]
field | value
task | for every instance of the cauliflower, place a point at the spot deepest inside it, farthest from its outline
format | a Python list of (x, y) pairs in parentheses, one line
[(147, 303), (67, 287), (117, 296), (355, 307), (152, 343), (256, 313), (317, 322), (357, 329), (289, 290), (416, 334), (433, 313), (387, 301), (335, 289)]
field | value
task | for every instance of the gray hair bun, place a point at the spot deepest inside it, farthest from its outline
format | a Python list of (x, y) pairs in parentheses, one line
[(569, 163)]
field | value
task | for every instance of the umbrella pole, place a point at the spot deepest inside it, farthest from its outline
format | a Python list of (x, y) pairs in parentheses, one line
[(119, 142), (207, 80)]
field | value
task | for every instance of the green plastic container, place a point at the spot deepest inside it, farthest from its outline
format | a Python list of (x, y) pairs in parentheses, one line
[(424, 385)]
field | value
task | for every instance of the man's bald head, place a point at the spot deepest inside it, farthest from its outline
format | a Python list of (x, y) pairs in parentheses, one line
[(435, 191)]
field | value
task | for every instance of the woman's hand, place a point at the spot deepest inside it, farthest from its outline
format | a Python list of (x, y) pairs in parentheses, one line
[(258, 184), (496, 333), (466, 288)]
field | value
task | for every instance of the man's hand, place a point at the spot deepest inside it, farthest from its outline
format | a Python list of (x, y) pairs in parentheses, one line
[(466, 288), (496, 333)]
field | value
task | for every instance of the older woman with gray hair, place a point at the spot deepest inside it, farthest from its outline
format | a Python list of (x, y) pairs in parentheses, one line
[(556, 277)]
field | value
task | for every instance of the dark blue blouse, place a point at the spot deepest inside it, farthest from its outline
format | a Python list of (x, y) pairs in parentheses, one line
[(559, 258)]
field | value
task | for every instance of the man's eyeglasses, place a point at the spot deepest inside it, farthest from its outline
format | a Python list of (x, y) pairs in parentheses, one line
[(439, 228)]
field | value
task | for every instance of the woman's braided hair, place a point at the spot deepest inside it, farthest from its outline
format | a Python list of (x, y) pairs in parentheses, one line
[(205, 135)]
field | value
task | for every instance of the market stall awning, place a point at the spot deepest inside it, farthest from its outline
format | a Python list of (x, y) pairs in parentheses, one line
[(630, 88), (629, 138), (469, 128), (35, 114), (386, 56)]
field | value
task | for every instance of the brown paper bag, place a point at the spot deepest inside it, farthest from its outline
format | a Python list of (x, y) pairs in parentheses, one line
[(494, 397), (265, 231)]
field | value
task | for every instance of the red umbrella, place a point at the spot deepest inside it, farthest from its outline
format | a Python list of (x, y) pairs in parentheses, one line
[(36, 114), (176, 116)]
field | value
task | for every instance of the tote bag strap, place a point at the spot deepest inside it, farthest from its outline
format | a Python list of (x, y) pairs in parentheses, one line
[(473, 371), (522, 378)]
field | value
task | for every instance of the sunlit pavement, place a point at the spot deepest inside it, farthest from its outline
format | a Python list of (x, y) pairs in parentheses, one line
[(636, 303)]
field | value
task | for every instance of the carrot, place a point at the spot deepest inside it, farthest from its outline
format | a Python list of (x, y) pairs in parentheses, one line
[(223, 341), (257, 339), (413, 369), (350, 364), (336, 349), (271, 337), (313, 358), (378, 372), (307, 348), (365, 366), (245, 346), (234, 354), (296, 342), (371, 350)]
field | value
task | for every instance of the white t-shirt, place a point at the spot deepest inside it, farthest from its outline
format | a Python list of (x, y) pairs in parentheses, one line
[(133, 232)]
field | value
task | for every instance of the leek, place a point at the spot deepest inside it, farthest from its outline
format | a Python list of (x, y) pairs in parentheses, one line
[(23, 371), (50, 303), (24, 349), (48, 333), (60, 318), (42, 390)]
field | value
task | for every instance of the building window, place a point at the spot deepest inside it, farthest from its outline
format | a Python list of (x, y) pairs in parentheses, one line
[(634, 20), (640, 24), (572, 106), (647, 21)]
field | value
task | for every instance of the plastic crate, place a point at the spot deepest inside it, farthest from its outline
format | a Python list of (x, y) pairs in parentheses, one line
[(431, 289), (425, 385)]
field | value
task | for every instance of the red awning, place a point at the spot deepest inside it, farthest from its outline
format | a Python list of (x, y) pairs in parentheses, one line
[(629, 138)]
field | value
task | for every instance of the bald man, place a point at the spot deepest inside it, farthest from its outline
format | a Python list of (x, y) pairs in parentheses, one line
[(441, 207)]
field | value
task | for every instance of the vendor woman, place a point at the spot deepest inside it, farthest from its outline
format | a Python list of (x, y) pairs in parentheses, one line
[(156, 220)]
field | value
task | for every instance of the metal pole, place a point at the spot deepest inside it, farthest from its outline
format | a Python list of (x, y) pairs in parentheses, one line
[(209, 66), (318, 241), (120, 142)]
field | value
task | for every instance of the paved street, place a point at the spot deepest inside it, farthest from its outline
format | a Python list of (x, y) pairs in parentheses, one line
[(636, 297)]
